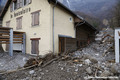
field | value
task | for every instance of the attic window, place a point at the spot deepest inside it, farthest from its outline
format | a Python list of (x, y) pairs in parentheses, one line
[(16, 4), (71, 19)]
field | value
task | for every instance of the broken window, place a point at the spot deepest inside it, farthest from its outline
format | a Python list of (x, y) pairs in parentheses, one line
[(19, 23), (35, 18)]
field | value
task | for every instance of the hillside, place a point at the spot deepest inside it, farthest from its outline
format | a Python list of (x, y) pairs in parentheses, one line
[(97, 9)]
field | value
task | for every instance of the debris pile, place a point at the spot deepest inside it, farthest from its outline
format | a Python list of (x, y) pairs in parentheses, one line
[(96, 60)]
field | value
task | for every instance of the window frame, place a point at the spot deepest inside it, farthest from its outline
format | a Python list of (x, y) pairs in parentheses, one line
[(18, 26), (33, 15)]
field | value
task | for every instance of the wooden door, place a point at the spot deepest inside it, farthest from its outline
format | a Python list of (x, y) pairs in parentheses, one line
[(61, 44), (35, 47)]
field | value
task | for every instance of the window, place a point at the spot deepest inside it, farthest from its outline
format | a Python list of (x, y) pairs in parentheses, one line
[(19, 23), (8, 24), (71, 19), (35, 18), (16, 4)]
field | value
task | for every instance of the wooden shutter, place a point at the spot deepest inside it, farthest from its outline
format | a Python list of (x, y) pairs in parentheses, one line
[(32, 19), (36, 18), (19, 23), (35, 47), (8, 24), (21, 3), (18, 4)]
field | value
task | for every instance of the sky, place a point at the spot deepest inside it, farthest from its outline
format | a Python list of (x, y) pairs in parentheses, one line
[(2, 2)]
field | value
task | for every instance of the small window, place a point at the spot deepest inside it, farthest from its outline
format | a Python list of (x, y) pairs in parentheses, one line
[(19, 23), (8, 24), (25, 2), (35, 18), (71, 19)]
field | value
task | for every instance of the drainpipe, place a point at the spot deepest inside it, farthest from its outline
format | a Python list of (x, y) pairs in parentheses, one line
[(54, 26)]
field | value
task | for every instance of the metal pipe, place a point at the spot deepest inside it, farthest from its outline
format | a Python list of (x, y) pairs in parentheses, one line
[(54, 25)]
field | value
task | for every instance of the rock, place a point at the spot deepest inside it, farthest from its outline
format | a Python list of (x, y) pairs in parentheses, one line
[(46, 70), (89, 71), (94, 60), (76, 70), (114, 69), (87, 61), (105, 74), (31, 72)]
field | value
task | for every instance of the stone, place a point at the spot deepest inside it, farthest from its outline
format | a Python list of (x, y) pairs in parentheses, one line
[(31, 72), (87, 61), (89, 71), (105, 74), (94, 60), (76, 70), (46, 70), (114, 69)]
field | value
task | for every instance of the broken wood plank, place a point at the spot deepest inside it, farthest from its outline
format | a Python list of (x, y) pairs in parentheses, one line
[(50, 62)]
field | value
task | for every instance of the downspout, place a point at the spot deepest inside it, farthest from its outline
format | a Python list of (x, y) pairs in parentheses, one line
[(54, 26)]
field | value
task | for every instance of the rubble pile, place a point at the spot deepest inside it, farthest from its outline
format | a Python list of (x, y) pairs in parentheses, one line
[(96, 60), (99, 56)]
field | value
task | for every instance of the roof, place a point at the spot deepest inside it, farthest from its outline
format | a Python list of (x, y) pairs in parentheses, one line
[(5, 9), (2, 14), (78, 16)]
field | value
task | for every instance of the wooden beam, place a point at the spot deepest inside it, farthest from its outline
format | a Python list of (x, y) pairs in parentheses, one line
[(78, 20), (4, 33), (4, 43), (4, 37), (18, 34), (17, 39), (18, 42)]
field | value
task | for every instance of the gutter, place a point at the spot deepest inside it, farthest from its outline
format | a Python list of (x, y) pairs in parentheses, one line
[(54, 26)]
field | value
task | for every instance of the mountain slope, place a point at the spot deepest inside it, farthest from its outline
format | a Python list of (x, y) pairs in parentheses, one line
[(98, 8)]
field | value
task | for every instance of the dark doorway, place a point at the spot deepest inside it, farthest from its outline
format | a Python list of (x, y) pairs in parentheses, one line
[(61, 44), (35, 45)]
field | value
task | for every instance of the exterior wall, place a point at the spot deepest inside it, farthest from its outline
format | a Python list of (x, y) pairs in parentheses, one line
[(63, 25), (42, 31)]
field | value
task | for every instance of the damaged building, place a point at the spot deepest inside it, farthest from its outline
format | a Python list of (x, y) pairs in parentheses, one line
[(49, 26)]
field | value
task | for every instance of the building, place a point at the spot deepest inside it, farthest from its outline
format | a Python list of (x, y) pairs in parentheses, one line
[(49, 26)]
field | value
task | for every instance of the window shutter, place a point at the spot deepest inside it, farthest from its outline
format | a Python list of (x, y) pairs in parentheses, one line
[(21, 3)]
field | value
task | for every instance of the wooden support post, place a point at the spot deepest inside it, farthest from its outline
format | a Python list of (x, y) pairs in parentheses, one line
[(11, 43), (24, 44)]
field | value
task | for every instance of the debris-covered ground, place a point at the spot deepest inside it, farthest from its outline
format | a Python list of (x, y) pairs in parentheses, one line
[(97, 59)]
